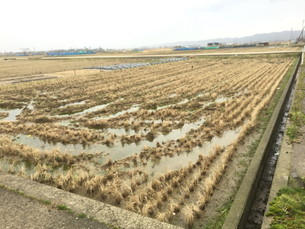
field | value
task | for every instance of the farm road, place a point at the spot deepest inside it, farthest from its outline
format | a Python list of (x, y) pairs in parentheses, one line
[(170, 55), (18, 211)]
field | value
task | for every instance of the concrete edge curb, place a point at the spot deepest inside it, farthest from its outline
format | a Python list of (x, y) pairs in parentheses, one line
[(102, 212), (240, 208)]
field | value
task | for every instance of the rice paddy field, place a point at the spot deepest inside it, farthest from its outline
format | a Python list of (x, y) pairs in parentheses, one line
[(155, 140), (26, 69)]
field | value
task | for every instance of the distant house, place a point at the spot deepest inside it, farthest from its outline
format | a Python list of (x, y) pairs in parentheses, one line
[(262, 44), (213, 44)]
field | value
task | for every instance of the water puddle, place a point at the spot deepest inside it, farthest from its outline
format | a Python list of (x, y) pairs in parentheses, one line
[(206, 104), (183, 101), (120, 131), (91, 109), (183, 159), (154, 121), (36, 142), (221, 99), (30, 105), (179, 133), (12, 114), (163, 107), (172, 95), (133, 108), (115, 151), (224, 140), (5, 165)]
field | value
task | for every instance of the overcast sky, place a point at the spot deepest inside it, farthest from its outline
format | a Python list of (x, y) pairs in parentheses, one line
[(55, 24)]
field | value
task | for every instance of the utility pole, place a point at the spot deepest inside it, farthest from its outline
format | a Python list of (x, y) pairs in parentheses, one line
[(303, 50), (303, 30), (301, 37)]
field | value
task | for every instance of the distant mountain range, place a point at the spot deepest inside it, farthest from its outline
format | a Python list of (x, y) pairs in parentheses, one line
[(275, 36)]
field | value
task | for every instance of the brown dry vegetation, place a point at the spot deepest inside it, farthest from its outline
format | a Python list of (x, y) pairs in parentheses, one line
[(24, 67), (210, 95)]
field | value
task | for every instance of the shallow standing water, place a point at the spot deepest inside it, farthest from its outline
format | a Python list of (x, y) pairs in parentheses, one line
[(115, 151), (120, 151), (12, 114), (183, 159)]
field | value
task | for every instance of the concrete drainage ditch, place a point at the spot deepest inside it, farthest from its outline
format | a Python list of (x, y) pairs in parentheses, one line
[(248, 208)]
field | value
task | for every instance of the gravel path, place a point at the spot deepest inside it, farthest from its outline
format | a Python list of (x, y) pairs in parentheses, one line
[(18, 211)]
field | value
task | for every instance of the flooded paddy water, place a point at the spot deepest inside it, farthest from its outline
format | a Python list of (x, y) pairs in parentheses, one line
[(115, 151), (183, 159), (12, 114), (119, 151), (85, 111)]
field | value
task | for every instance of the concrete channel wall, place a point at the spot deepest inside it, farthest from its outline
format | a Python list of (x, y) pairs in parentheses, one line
[(243, 201)]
